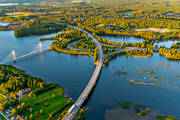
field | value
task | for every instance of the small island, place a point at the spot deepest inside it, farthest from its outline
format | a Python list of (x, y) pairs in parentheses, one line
[(143, 111)]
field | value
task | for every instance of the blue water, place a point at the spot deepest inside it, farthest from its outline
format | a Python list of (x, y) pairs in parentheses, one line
[(113, 86), (167, 43), (13, 4), (123, 39), (3, 24)]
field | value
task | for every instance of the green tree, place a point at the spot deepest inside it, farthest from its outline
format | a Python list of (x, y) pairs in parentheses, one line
[(13, 111)]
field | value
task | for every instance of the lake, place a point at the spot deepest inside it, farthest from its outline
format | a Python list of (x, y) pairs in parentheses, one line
[(123, 39), (74, 72), (114, 86), (13, 4), (3, 24), (56, 67), (167, 43)]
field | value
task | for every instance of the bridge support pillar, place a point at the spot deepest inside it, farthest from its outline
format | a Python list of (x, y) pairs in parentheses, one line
[(14, 56), (41, 51), (40, 46)]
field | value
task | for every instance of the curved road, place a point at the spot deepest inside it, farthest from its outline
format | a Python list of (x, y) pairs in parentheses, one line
[(78, 103), (70, 46), (76, 106)]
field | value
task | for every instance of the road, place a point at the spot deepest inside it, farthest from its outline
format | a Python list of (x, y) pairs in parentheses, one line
[(4, 116), (78, 103), (70, 46), (122, 50)]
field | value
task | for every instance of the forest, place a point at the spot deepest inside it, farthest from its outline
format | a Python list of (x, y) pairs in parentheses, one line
[(13, 79), (38, 28), (151, 20), (175, 45), (118, 18), (63, 39), (171, 54)]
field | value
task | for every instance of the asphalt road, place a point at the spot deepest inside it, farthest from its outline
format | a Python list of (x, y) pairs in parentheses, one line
[(76, 106), (4, 116)]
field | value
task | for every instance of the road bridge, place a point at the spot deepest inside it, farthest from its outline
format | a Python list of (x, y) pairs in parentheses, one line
[(84, 95)]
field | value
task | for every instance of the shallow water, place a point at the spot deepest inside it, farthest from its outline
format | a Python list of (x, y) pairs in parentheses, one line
[(3, 24)]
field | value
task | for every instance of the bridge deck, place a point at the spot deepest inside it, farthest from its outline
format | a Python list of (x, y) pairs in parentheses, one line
[(25, 56), (76, 106)]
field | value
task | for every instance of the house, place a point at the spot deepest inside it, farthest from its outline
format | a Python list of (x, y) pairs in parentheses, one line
[(20, 117), (24, 91)]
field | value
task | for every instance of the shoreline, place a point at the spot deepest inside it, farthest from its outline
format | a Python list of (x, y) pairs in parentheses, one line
[(73, 52), (145, 56), (63, 101)]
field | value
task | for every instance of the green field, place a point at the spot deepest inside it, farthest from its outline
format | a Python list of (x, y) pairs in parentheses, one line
[(51, 102)]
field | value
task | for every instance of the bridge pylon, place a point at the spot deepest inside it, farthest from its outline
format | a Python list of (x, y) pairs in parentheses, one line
[(40, 47), (14, 55), (41, 51)]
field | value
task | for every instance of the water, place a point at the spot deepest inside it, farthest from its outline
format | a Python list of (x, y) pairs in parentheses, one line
[(113, 88), (123, 39), (74, 72), (51, 66), (129, 12), (167, 43), (8, 4), (3, 24), (13, 4)]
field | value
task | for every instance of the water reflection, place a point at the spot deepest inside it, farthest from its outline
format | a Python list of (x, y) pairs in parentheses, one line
[(3, 24), (13, 4), (123, 39)]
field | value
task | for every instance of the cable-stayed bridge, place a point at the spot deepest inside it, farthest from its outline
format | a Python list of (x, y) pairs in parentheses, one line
[(12, 58)]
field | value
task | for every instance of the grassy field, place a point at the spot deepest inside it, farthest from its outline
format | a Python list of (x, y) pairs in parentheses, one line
[(2, 98), (51, 101)]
